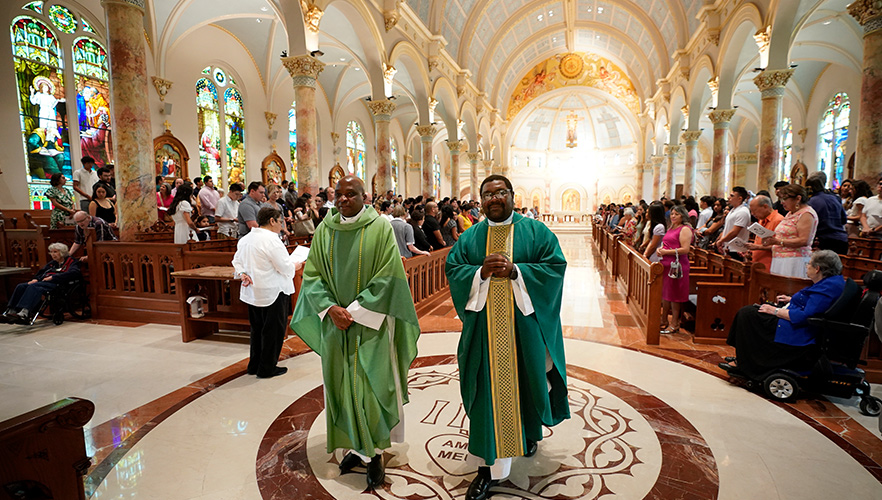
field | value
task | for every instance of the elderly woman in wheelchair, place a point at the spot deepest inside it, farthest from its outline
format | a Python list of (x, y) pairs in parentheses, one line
[(809, 339), (27, 297)]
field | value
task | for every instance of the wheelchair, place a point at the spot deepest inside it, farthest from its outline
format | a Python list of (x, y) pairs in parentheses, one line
[(841, 333), (71, 297)]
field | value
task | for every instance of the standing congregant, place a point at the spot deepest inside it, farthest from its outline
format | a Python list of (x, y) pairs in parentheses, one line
[(506, 278), (355, 310)]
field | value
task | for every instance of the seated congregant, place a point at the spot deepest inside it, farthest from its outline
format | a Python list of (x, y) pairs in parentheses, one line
[(768, 336), (61, 269)]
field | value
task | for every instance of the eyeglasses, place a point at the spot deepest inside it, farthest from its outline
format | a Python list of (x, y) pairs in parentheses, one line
[(502, 193)]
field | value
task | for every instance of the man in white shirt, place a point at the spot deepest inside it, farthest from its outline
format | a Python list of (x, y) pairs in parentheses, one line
[(267, 273), (706, 213), (330, 194), (208, 198), (83, 180), (736, 222), (227, 212), (871, 215)]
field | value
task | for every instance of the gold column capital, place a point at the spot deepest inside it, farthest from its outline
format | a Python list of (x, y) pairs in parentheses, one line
[(304, 69), (426, 131), (162, 86), (720, 116), (868, 14), (382, 109), (454, 146), (772, 82), (691, 136)]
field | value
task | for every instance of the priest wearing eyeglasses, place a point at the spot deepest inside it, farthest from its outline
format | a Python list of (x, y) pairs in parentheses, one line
[(506, 278)]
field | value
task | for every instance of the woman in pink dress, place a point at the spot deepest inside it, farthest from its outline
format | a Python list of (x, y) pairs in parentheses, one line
[(675, 245), (163, 199)]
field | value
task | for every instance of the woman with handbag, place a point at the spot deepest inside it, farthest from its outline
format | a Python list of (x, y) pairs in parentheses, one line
[(674, 255), (302, 224)]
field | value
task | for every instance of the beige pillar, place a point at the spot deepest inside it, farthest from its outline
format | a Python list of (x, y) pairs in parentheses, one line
[(427, 133), (771, 83), (474, 181), (455, 147), (639, 178), (304, 71), (869, 130), (721, 119), (656, 176), (690, 138), (132, 141), (670, 184), (382, 111)]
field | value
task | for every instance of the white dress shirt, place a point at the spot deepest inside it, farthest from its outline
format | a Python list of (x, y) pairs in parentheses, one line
[(262, 256)]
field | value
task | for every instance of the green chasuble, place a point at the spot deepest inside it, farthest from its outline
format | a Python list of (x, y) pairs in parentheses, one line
[(364, 370), (504, 383)]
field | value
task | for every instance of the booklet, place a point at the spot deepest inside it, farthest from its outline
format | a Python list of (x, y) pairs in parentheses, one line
[(760, 231), (300, 253), (738, 245)]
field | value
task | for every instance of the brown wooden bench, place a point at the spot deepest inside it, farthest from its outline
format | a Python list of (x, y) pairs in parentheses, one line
[(43, 452)]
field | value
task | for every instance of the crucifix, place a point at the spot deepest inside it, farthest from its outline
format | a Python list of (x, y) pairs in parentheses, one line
[(572, 121)]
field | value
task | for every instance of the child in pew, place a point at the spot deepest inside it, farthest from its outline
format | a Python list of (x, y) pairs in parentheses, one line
[(203, 224)]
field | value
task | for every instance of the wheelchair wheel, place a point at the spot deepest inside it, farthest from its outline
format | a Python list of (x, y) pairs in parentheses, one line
[(781, 387), (871, 406), (58, 317)]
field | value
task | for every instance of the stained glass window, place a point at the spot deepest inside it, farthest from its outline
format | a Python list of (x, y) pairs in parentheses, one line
[(86, 26), (35, 6), (207, 70), (786, 149), (355, 149), (93, 100), (394, 167), (63, 19), (209, 133), (292, 142), (40, 87), (436, 176), (235, 120), (220, 77), (832, 137)]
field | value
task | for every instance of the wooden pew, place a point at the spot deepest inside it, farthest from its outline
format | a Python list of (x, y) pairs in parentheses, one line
[(642, 280), (868, 248), (43, 452), (427, 280), (718, 298)]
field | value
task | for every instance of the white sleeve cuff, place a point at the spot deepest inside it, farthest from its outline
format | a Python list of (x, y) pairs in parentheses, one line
[(366, 317), (478, 293), (521, 297), (324, 313)]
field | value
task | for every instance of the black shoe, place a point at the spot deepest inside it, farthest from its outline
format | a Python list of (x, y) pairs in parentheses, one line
[(532, 447), (10, 314), (730, 359), (376, 471), (280, 370), (349, 462), (733, 370), (480, 487), (24, 317)]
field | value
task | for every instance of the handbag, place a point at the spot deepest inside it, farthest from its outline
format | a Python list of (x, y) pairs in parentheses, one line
[(676, 271), (303, 227)]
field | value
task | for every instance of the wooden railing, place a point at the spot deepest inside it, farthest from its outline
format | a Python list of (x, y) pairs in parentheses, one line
[(428, 283), (43, 452), (641, 279)]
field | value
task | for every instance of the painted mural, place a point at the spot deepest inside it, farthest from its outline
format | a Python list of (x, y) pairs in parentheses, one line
[(570, 70)]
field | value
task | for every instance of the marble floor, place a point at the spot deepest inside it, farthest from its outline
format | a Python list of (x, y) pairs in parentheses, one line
[(183, 421)]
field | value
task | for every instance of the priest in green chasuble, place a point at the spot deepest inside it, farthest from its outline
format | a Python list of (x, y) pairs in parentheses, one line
[(506, 278), (356, 312)]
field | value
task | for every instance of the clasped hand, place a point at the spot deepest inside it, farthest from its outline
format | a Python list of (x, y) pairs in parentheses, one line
[(341, 317), (496, 265)]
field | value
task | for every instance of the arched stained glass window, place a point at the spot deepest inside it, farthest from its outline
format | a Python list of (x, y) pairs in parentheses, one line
[(63, 19), (292, 141), (786, 149), (40, 86), (93, 100), (209, 133), (436, 177), (394, 167), (86, 26), (832, 137), (35, 6), (234, 112), (355, 149)]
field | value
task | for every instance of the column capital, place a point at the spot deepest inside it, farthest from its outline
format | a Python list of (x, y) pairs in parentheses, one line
[(303, 69), (657, 161), (691, 136), (270, 118), (721, 117), (454, 146), (426, 131), (474, 157), (772, 82), (488, 164), (672, 150), (162, 86), (868, 14), (140, 4), (382, 110)]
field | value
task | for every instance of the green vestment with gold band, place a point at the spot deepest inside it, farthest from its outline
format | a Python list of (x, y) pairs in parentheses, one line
[(364, 370), (499, 339)]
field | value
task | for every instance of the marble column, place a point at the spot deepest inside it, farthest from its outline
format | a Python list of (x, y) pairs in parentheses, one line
[(670, 186), (382, 111), (304, 71), (690, 138), (639, 178), (488, 168), (656, 176), (742, 162), (771, 83), (132, 138), (455, 147), (869, 130), (427, 133), (474, 181), (721, 119)]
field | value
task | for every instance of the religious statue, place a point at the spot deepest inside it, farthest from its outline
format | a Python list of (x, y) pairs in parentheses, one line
[(571, 201)]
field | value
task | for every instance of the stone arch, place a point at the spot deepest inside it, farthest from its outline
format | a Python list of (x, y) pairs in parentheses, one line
[(445, 93), (537, 199), (736, 49), (520, 196), (574, 187), (407, 55), (699, 92), (469, 115), (370, 39), (678, 100)]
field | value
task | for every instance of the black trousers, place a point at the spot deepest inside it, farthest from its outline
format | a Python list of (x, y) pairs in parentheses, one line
[(752, 334), (838, 246), (267, 334)]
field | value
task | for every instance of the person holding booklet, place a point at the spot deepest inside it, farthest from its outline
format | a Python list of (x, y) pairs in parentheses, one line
[(735, 225), (769, 218)]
